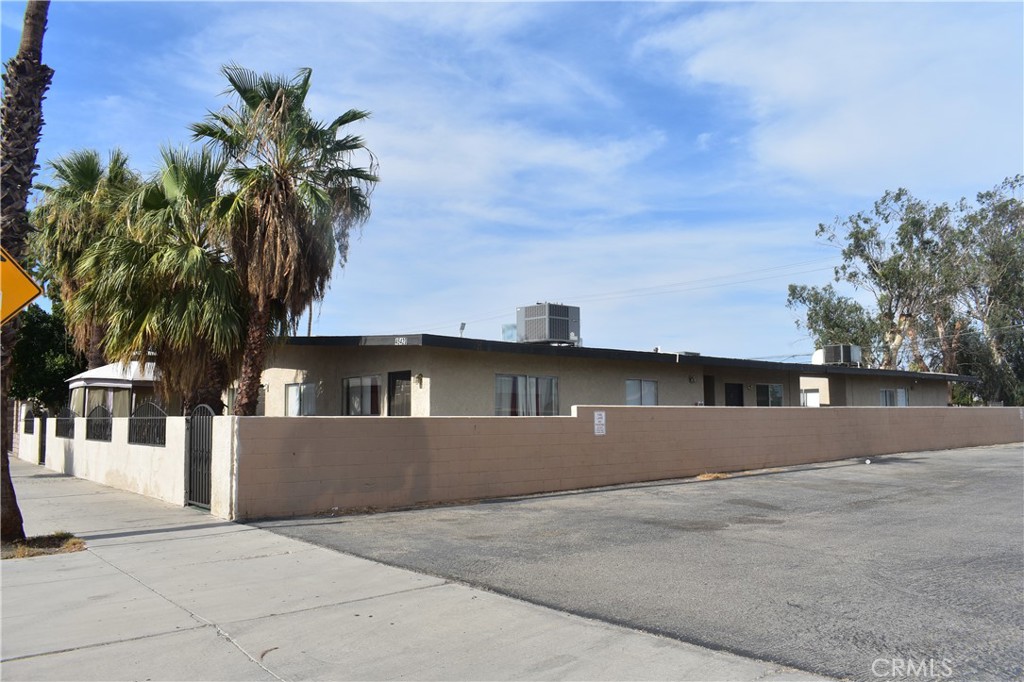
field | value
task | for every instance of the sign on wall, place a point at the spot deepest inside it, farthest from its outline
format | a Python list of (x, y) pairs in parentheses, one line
[(599, 423)]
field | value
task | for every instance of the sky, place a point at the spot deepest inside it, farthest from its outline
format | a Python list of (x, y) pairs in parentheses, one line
[(663, 166)]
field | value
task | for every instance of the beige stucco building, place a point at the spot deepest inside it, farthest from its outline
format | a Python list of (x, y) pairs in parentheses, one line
[(428, 375)]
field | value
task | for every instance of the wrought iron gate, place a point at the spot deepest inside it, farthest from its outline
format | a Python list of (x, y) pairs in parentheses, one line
[(199, 456), (42, 439)]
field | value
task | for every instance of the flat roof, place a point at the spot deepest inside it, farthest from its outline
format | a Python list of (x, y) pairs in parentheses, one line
[(583, 352)]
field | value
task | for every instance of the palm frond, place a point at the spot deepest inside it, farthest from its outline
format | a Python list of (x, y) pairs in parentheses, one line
[(288, 196)]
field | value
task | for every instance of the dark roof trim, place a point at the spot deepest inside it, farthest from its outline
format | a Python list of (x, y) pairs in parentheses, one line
[(483, 345)]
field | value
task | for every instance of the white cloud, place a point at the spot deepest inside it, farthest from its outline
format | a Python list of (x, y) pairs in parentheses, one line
[(864, 97), (459, 102)]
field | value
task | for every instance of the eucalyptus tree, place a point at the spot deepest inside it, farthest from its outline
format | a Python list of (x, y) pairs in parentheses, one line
[(165, 285), (832, 318), (26, 80), (84, 202), (993, 291), (888, 252), (947, 285), (295, 196)]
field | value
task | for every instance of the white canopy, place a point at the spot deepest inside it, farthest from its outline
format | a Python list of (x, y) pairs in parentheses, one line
[(116, 375)]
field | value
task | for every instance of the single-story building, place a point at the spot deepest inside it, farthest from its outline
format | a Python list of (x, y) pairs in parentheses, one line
[(428, 375)]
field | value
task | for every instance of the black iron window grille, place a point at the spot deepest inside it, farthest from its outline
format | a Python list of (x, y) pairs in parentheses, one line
[(148, 425), (99, 424), (66, 423)]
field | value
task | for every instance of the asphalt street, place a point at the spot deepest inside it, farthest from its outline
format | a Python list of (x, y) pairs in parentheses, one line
[(846, 569)]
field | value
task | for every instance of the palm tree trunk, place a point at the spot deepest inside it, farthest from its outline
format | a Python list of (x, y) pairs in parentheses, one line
[(216, 381), (25, 83), (94, 353), (255, 352)]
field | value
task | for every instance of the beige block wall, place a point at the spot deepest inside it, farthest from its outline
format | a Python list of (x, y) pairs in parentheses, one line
[(153, 471), (288, 466)]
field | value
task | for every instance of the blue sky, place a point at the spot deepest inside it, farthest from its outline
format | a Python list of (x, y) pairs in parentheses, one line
[(663, 166)]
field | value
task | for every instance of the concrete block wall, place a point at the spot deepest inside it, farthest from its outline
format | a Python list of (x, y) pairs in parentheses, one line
[(28, 443), (149, 470), (280, 466)]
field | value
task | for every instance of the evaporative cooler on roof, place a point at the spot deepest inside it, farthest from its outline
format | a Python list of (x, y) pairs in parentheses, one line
[(552, 323), (842, 354)]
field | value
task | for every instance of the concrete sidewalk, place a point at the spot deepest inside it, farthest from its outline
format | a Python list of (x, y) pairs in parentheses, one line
[(169, 593)]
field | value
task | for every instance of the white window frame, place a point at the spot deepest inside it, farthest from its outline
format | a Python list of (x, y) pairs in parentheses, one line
[(300, 399), (805, 397)]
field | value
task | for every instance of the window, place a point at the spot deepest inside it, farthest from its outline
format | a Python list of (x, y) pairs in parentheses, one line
[(893, 397), (769, 395), (525, 396), (810, 397), (299, 400), (400, 394), (641, 392), (362, 396)]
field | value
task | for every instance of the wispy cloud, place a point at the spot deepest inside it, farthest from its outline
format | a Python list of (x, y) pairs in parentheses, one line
[(863, 97)]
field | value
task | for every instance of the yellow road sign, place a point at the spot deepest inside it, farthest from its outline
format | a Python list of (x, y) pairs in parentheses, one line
[(17, 289)]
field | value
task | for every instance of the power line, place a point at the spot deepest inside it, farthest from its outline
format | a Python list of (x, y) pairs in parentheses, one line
[(688, 285), (781, 358), (965, 332), (971, 332)]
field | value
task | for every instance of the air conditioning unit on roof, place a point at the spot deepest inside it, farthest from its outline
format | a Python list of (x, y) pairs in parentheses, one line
[(551, 323), (842, 354)]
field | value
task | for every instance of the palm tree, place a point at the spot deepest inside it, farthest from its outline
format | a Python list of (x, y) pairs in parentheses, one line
[(84, 204), (21, 123), (165, 285), (294, 198)]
